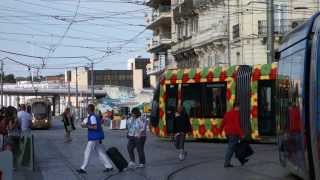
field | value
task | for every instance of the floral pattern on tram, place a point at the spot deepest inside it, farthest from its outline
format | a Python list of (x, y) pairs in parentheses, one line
[(209, 127), (259, 72)]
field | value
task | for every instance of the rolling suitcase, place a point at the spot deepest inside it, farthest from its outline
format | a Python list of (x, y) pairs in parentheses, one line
[(116, 157)]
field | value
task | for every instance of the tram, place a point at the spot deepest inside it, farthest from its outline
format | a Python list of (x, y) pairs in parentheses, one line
[(207, 93), (298, 97), (41, 113)]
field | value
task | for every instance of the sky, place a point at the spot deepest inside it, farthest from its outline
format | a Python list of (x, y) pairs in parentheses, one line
[(51, 36)]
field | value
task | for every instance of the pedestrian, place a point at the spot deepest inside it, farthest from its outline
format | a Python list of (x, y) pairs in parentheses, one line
[(181, 127), (24, 119), (231, 126), (68, 122), (95, 137), (137, 126), (12, 139)]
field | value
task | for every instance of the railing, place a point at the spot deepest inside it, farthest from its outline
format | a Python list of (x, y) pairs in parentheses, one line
[(155, 67), (158, 40), (281, 26), (158, 13)]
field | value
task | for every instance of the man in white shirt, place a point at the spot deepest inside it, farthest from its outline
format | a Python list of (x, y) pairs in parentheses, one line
[(24, 119)]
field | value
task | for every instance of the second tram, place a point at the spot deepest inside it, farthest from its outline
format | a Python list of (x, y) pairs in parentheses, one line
[(208, 93), (41, 113)]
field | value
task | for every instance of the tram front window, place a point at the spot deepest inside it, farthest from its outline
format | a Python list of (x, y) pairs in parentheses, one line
[(39, 110)]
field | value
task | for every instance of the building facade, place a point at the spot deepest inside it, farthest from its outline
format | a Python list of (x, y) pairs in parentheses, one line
[(248, 24), (208, 33), (159, 22), (101, 78), (199, 33), (141, 80)]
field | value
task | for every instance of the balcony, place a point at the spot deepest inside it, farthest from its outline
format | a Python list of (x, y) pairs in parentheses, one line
[(155, 3), (159, 42), (217, 33), (155, 67), (281, 26), (160, 16)]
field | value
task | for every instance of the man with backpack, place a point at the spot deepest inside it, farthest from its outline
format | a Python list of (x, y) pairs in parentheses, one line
[(95, 137)]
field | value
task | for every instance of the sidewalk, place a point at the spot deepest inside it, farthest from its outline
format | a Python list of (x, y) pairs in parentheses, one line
[(25, 174)]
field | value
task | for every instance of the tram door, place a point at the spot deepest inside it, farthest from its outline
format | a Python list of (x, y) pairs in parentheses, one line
[(171, 105), (266, 108)]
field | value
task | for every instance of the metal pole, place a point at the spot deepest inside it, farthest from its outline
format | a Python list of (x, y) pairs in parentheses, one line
[(2, 74), (228, 31), (69, 102), (92, 87), (77, 93), (270, 31)]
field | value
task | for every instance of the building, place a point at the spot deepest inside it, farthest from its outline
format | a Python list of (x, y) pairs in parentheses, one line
[(159, 22), (199, 33), (216, 32), (59, 79), (101, 78), (249, 26), (141, 80)]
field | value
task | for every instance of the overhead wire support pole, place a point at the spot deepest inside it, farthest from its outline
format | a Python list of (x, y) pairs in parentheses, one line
[(77, 94), (270, 31), (92, 87), (2, 74), (228, 31)]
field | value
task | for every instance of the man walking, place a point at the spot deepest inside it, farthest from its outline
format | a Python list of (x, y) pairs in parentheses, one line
[(95, 137), (24, 119), (233, 131)]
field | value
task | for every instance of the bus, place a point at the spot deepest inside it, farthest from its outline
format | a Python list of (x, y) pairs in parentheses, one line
[(298, 97), (207, 93), (41, 113)]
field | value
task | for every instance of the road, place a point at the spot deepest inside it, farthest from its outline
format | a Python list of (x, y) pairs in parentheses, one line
[(58, 161)]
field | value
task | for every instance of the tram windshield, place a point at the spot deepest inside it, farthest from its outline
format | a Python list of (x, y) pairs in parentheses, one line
[(39, 109)]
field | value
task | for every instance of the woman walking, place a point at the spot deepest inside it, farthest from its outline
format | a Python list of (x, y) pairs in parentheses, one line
[(182, 127), (68, 124), (137, 126)]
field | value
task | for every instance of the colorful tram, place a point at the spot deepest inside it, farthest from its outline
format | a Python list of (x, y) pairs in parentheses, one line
[(41, 113), (298, 100), (208, 93)]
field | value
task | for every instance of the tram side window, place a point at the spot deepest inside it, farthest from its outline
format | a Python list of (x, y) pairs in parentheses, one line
[(204, 100), (172, 92), (191, 99), (215, 100)]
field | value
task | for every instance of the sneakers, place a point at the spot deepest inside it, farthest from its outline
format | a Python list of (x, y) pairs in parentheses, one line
[(140, 166), (107, 170), (81, 171), (243, 161), (182, 156), (228, 166), (132, 165)]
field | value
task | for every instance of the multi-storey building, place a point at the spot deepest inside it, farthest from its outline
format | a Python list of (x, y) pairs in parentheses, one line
[(214, 32), (141, 80), (248, 24), (159, 21), (199, 32)]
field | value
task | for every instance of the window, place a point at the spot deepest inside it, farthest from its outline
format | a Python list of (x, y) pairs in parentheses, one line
[(172, 94), (236, 31), (208, 102)]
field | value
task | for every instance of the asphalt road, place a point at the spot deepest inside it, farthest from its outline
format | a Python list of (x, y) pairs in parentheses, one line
[(58, 161)]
